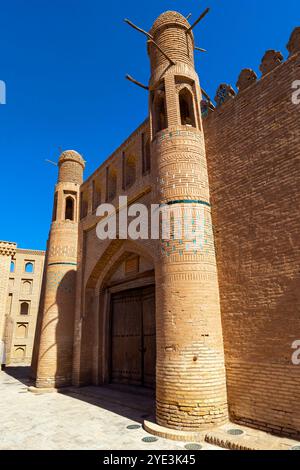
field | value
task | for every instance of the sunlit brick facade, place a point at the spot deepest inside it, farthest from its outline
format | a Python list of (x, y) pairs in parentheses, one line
[(210, 329)]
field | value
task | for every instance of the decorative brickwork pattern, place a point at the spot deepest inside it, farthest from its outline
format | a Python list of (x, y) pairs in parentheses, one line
[(190, 372)]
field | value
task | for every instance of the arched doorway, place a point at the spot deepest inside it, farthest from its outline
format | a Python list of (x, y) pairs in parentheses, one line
[(118, 326), (133, 337)]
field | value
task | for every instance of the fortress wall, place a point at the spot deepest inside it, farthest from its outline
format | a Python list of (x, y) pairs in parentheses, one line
[(253, 153)]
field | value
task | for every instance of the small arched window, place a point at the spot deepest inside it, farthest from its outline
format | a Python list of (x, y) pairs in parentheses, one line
[(96, 195), (130, 170), (54, 215), (69, 211), (186, 104), (111, 184), (146, 152), (84, 205), (24, 308), (160, 121), (29, 268), (12, 267)]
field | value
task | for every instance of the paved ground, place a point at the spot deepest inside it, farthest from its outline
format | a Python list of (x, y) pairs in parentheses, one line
[(81, 419)]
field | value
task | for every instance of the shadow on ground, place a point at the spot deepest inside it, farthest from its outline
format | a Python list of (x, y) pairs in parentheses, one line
[(135, 403), (20, 373)]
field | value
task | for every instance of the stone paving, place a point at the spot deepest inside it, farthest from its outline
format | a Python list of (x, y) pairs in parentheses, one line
[(91, 418)]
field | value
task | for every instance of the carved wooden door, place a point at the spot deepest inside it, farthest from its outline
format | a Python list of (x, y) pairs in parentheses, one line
[(133, 341)]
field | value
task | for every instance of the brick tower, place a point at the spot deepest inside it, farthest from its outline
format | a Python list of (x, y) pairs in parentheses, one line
[(54, 368), (191, 384)]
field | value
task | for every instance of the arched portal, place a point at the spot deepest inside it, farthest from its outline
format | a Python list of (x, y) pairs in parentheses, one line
[(118, 338)]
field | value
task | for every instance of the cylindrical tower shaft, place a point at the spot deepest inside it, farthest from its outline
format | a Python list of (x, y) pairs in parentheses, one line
[(191, 384), (54, 368)]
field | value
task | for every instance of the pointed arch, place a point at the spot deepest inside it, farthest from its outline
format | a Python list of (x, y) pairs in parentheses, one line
[(54, 213), (159, 110), (96, 305), (186, 106)]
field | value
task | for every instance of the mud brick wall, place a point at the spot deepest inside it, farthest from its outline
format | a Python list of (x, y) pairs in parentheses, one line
[(253, 153)]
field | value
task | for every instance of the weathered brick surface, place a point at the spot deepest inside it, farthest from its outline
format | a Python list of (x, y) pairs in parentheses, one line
[(253, 152)]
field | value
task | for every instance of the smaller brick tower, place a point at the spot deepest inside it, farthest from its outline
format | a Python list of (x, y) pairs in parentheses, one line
[(54, 368)]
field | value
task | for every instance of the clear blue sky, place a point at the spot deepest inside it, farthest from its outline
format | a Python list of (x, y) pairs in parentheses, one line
[(64, 63)]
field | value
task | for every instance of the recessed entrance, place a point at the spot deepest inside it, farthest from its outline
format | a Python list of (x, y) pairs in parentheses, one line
[(133, 337)]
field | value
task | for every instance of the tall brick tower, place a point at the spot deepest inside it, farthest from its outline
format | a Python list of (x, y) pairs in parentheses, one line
[(54, 368), (191, 384)]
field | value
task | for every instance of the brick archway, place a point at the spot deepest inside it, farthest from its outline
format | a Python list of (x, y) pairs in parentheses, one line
[(103, 283)]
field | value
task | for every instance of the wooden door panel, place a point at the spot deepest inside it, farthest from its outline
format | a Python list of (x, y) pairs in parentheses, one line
[(133, 339), (126, 339)]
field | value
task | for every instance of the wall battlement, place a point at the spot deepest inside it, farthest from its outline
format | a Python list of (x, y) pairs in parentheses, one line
[(248, 77)]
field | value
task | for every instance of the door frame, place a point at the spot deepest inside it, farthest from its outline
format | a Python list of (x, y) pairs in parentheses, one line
[(105, 323)]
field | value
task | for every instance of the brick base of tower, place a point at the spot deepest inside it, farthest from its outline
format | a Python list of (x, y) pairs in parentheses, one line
[(190, 390)]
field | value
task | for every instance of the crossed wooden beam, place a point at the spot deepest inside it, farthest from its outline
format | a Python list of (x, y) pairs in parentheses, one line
[(152, 41)]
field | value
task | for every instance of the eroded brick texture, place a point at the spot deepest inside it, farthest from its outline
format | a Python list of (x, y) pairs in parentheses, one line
[(253, 153)]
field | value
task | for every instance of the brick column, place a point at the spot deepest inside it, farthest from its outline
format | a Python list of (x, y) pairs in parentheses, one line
[(190, 380)]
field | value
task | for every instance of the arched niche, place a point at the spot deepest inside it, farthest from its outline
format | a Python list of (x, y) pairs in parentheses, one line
[(69, 208), (186, 107), (159, 109)]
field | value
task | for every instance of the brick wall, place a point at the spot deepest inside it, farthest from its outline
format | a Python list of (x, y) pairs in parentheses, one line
[(253, 152)]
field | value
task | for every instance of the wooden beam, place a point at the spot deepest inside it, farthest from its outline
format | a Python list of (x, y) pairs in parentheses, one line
[(200, 49), (52, 163), (149, 36), (131, 79), (161, 51), (198, 20), (189, 15)]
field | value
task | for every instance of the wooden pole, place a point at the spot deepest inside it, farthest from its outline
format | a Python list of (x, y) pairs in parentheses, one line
[(200, 49), (198, 20), (161, 51), (138, 29), (131, 79), (50, 161), (150, 38)]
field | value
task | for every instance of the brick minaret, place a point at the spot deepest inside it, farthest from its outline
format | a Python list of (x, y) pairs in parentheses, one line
[(191, 385), (56, 341)]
